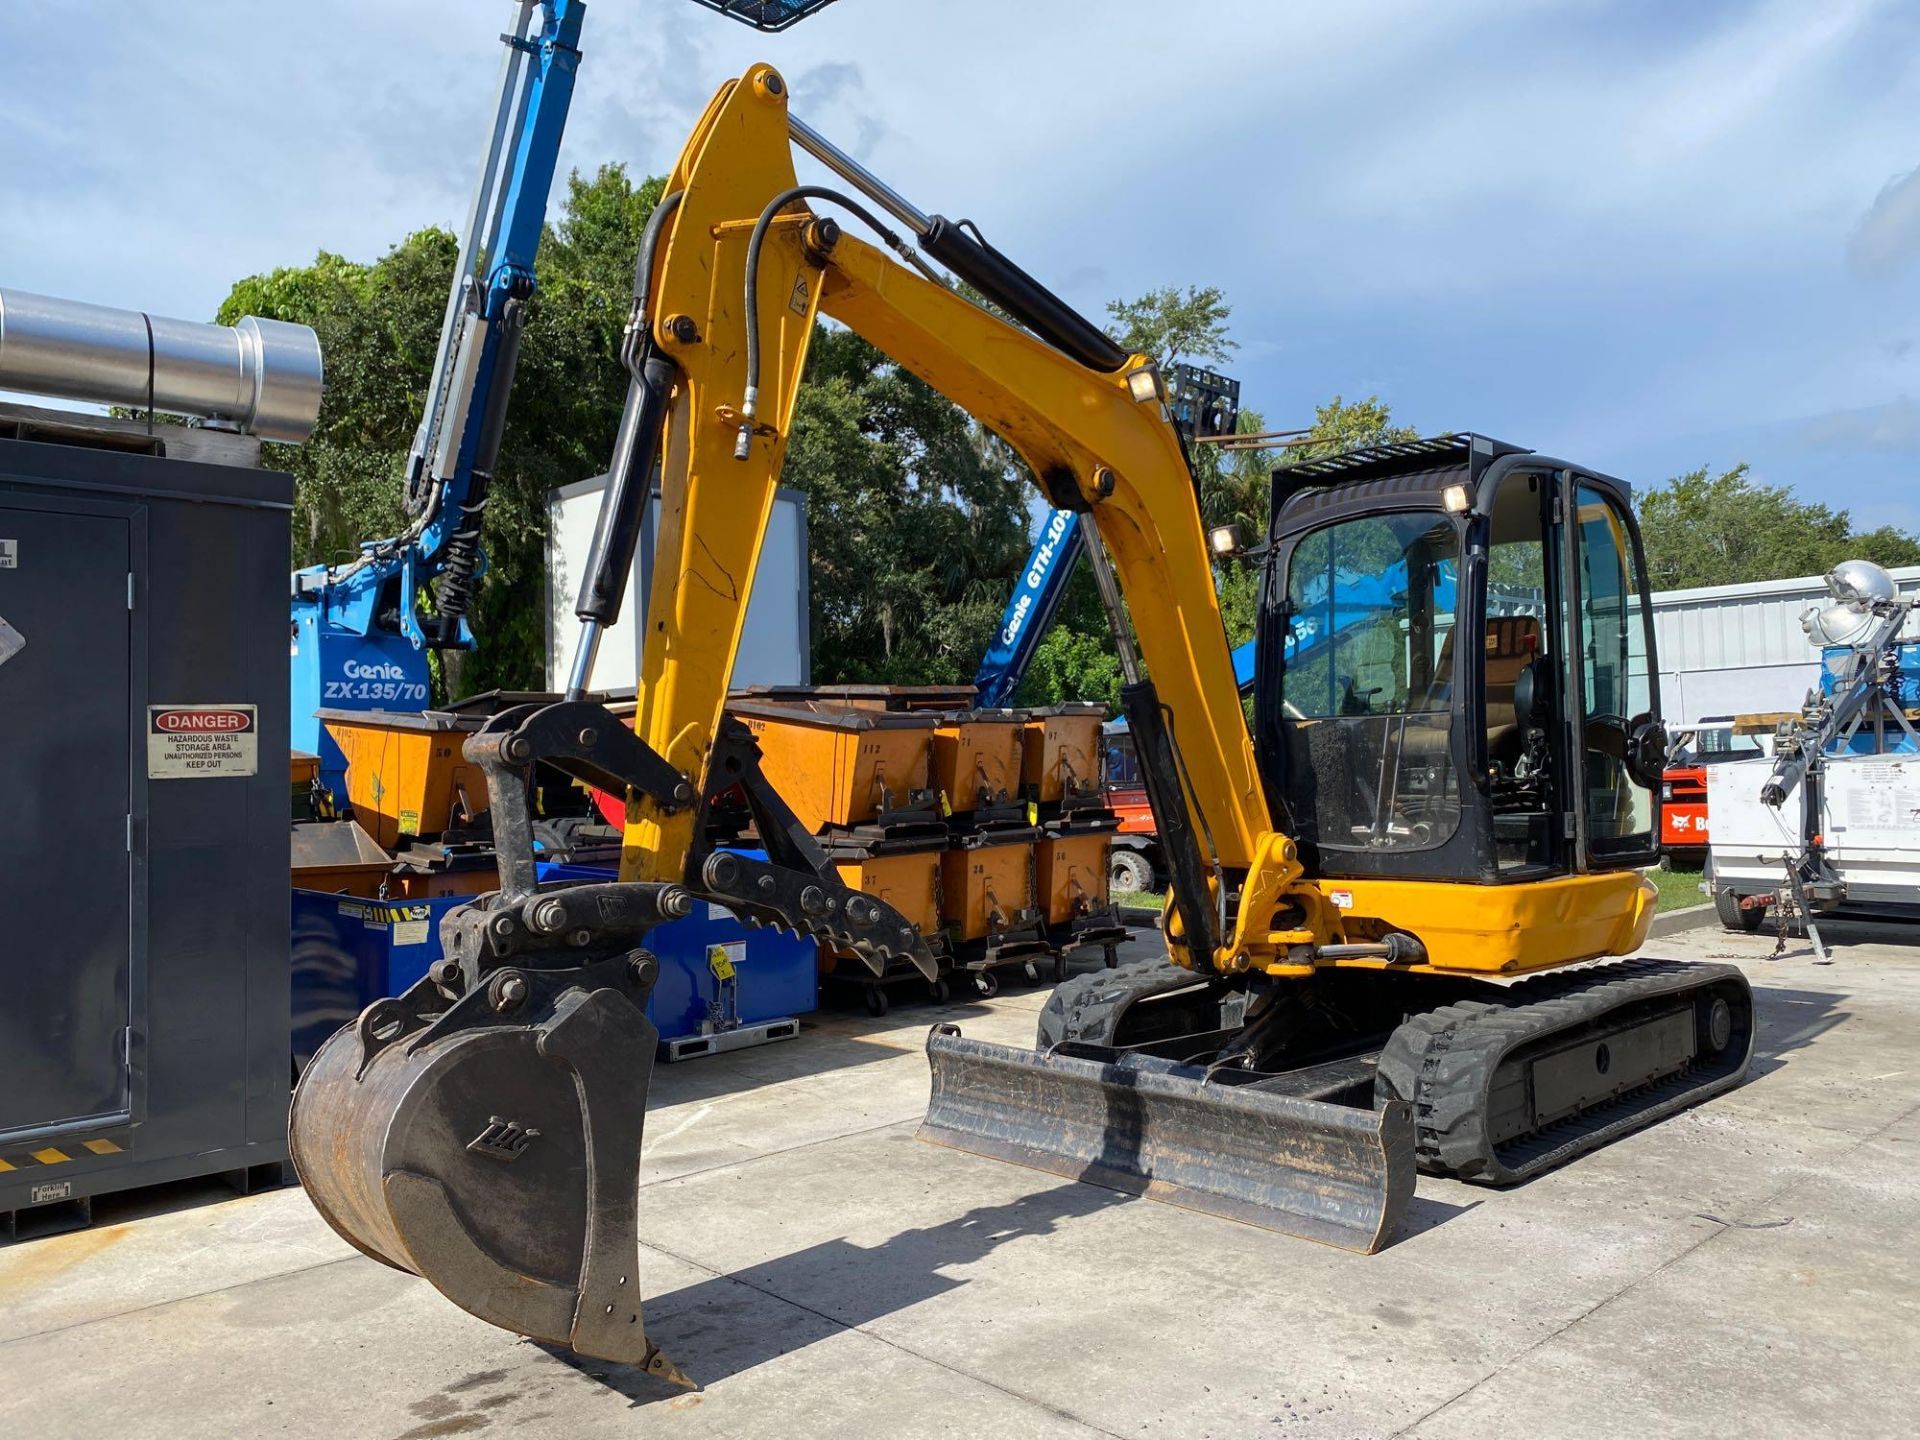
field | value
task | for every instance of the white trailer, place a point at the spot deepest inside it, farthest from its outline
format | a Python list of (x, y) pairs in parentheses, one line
[(1869, 828), (1830, 823)]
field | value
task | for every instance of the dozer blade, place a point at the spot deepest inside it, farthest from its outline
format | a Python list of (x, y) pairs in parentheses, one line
[(495, 1155), (1333, 1173)]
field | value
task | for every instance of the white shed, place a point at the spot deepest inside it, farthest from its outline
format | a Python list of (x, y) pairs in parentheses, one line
[(1739, 649), (776, 647)]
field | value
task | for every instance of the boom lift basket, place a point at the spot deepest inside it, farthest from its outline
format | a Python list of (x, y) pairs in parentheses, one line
[(766, 14)]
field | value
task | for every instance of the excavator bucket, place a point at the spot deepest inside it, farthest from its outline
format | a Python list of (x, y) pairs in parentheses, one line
[(495, 1155), (483, 1129), (1333, 1173)]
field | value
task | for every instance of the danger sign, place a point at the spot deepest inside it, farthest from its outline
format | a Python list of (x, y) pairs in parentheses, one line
[(192, 742)]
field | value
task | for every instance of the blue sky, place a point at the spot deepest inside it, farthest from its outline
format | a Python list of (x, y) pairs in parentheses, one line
[(1647, 236)]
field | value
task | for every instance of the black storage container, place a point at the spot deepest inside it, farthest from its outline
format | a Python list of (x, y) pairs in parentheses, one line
[(143, 814)]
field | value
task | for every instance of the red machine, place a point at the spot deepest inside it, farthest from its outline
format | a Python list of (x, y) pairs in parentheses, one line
[(1683, 789), (1135, 864), (1683, 811)]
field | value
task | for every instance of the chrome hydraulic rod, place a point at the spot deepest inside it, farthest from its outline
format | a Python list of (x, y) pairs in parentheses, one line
[(858, 176), (586, 651)]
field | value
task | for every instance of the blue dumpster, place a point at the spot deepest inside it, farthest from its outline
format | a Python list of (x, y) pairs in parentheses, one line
[(348, 953), (721, 984), (775, 976)]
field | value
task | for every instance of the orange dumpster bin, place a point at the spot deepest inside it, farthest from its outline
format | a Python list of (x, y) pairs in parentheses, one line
[(909, 881), (847, 770), (407, 776), (989, 906), (1060, 763), (1071, 869), (976, 764)]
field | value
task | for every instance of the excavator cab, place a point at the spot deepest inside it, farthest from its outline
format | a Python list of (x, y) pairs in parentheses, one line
[(1484, 705)]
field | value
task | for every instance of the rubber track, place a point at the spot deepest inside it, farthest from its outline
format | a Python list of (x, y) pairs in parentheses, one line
[(1090, 1007), (1445, 1062)]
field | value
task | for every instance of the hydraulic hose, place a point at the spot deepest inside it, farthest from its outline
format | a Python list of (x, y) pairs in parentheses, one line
[(631, 343), (750, 401)]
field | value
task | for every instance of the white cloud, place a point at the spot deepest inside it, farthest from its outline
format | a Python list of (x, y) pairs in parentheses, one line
[(1893, 428), (1576, 221), (1888, 236)]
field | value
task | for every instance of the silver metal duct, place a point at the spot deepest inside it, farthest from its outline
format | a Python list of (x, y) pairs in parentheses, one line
[(263, 376)]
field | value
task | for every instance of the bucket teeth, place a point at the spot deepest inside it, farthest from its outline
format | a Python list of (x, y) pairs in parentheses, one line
[(754, 891), (661, 1368)]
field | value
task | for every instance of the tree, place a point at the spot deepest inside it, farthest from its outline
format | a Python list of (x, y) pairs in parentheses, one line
[(1730, 529), (916, 518), (1340, 425), (379, 325), (1172, 325), (1074, 662)]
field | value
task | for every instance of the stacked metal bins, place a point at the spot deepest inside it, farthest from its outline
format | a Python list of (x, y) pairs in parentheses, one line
[(990, 892), (984, 827), (1061, 776), (859, 776)]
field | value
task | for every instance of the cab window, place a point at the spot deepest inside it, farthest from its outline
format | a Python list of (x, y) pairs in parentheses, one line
[(1368, 685)]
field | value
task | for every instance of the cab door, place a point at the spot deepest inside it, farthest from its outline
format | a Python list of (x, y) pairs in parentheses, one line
[(1612, 689)]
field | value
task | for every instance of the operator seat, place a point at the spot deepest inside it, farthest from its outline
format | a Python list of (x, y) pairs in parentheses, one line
[(1513, 642)]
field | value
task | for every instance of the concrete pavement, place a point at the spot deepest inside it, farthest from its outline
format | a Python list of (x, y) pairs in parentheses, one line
[(1747, 1268)]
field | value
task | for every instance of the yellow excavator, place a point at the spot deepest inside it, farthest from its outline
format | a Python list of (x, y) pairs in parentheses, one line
[(1393, 896)]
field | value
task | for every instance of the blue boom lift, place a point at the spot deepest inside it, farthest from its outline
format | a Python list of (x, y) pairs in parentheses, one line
[(362, 630)]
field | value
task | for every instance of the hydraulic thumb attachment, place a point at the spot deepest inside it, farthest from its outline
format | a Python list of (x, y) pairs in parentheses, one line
[(483, 1129)]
